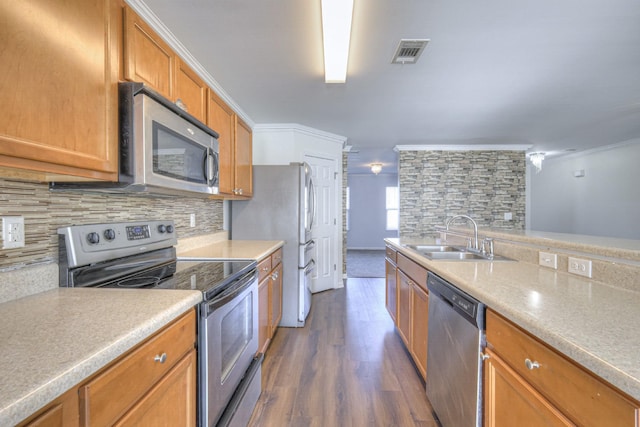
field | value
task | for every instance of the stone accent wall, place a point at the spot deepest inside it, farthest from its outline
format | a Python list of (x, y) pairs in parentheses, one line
[(345, 184), (435, 185), (44, 212)]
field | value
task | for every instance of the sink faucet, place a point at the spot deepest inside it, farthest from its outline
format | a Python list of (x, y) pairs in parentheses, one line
[(475, 228)]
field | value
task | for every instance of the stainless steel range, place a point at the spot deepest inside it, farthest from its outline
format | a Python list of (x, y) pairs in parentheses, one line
[(142, 255)]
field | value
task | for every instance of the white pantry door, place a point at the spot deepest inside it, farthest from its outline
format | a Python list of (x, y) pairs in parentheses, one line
[(324, 226)]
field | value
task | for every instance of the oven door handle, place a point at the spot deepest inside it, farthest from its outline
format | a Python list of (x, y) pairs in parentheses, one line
[(236, 288)]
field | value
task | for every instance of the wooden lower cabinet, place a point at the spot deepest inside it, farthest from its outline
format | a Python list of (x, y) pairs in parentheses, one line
[(524, 369), (404, 307), (263, 315), (269, 298), (171, 402), (154, 384), (511, 401), (391, 294), (407, 301), (62, 412), (419, 325)]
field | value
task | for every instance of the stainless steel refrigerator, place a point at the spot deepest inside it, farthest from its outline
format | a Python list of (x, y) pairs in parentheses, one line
[(283, 208)]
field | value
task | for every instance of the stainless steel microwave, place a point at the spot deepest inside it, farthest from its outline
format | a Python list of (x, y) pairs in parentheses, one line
[(162, 149)]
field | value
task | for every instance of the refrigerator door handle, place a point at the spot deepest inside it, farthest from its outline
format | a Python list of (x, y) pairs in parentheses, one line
[(312, 202)]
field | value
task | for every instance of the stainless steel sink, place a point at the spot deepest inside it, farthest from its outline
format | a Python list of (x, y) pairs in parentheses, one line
[(435, 248), (454, 256), (452, 253)]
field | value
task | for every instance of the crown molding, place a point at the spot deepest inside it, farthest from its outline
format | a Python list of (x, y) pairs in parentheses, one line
[(280, 127), (141, 8), (480, 147)]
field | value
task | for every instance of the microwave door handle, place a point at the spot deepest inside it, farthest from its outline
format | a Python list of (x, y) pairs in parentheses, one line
[(209, 166)]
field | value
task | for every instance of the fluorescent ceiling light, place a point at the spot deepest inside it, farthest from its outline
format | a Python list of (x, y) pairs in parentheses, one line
[(336, 33)]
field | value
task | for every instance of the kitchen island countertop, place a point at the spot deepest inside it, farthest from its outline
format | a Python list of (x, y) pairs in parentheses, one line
[(54, 340), (594, 323)]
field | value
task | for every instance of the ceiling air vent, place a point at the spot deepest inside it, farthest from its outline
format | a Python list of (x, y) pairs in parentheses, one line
[(409, 51)]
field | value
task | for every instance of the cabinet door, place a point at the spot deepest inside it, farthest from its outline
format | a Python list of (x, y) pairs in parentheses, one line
[(404, 307), (171, 402), (419, 325), (221, 118), (276, 298), (147, 58), (263, 314), (58, 87), (243, 160), (510, 401), (391, 297), (190, 91), (62, 412)]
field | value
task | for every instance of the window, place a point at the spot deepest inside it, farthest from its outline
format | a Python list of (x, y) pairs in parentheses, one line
[(393, 208)]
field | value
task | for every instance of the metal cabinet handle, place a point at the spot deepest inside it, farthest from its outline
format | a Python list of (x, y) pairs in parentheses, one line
[(240, 191), (265, 268), (484, 356), (274, 276), (531, 365), (160, 358)]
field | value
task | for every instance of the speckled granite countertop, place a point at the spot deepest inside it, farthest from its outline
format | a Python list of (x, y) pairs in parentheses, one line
[(51, 341), (247, 249), (591, 322)]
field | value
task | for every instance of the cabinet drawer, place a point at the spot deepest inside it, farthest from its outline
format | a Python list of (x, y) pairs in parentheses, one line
[(109, 395), (276, 258), (415, 271), (390, 253), (580, 395), (264, 268)]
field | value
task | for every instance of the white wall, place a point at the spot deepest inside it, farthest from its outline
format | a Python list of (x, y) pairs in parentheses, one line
[(367, 213), (605, 202)]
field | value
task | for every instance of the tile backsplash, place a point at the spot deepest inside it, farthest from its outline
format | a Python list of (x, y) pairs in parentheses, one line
[(435, 185), (44, 212)]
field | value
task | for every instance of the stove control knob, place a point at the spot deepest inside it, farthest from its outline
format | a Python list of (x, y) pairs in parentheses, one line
[(162, 228), (93, 238), (109, 234), (169, 229)]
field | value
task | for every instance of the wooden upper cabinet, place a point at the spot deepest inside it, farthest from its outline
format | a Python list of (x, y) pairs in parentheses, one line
[(58, 87), (243, 159), (190, 91), (221, 118), (147, 58), (235, 146)]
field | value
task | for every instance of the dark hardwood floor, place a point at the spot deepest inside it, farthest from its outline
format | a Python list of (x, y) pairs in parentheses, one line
[(347, 367)]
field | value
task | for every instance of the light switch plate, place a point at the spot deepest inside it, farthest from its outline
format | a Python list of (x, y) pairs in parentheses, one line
[(548, 259), (581, 267), (12, 232)]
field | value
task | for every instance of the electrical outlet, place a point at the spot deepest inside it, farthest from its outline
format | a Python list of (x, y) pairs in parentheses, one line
[(580, 267), (192, 220), (508, 216), (12, 232), (547, 259)]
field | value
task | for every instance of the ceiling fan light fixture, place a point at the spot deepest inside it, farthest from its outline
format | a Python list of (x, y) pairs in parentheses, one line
[(376, 168), (536, 160), (336, 35)]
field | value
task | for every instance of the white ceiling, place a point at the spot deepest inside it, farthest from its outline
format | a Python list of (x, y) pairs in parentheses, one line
[(556, 74)]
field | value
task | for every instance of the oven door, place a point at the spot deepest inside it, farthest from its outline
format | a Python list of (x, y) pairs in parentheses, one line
[(228, 342)]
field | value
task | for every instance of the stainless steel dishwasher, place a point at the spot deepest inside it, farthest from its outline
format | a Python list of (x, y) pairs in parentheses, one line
[(454, 368)]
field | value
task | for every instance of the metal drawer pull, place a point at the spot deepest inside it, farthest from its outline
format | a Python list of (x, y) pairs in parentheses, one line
[(160, 358), (484, 356), (531, 365)]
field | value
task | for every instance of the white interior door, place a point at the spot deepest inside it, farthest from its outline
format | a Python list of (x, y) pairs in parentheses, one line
[(324, 227)]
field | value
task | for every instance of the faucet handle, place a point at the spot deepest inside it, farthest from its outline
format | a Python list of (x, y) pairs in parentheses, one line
[(487, 241)]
